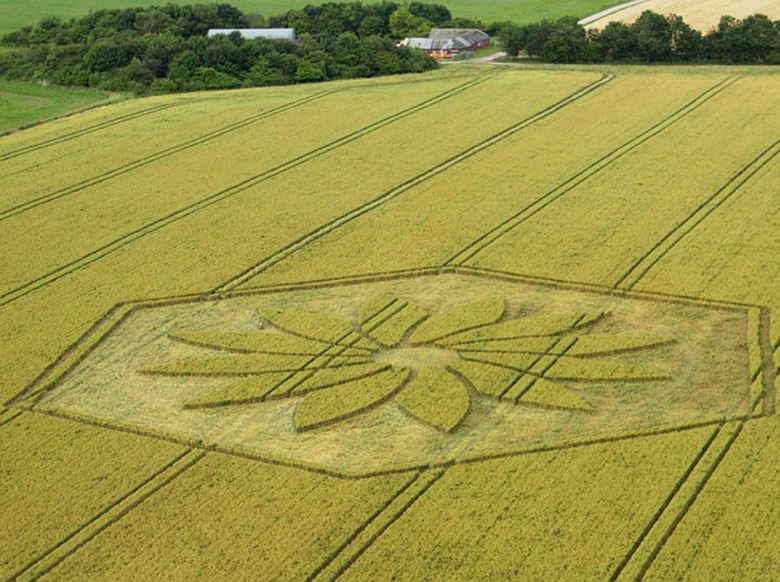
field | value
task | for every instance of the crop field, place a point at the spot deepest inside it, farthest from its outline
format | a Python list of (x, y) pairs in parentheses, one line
[(700, 14), (486, 322)]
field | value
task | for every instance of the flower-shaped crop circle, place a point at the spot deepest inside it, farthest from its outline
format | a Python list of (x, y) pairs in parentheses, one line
[(432, 365)]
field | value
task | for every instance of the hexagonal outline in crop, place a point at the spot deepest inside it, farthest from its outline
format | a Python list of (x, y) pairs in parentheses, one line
[(103, 329)]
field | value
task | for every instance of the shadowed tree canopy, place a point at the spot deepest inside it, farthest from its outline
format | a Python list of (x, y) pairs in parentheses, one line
[(651, 38), (165, 48)]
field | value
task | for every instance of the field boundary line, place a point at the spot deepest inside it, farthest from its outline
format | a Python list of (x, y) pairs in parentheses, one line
[(110, 514), (178, 148), (601, 289), (162, 154), (119, 243), (244, 453), (336, 281), (91, 129), (660, 249), (336, 223), (502, 229), (108, 100), (362, 539), (768, 364)]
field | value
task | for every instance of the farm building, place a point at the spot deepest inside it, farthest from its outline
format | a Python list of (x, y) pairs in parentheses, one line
[(447, 42), (287, 34)]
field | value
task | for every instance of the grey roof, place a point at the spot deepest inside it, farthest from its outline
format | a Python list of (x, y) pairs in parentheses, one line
[(448, 39), (470, 36), (250, 33), (420, 43)]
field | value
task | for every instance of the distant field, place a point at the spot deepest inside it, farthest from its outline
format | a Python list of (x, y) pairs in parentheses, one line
[(495, 322), (701, 14), (24, 103), (14, 14)]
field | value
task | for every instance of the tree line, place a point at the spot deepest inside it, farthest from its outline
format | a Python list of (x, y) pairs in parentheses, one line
[(165, 48), (652, 38), (162, 49)]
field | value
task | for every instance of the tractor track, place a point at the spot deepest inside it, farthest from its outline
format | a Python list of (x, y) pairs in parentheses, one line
[(139, 163), (111, 247), (479, 244), (307, 239)]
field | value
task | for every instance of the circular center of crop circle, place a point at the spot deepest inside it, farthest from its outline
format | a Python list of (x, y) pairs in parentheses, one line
[(416, 358)]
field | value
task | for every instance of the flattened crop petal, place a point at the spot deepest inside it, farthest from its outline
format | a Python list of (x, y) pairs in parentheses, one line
[(458, 319), (436, 397), (325, 407), (330, 377)]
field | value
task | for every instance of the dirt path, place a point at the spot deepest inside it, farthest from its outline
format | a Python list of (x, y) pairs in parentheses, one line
[(486, 60), (609, 12), (489, 58)]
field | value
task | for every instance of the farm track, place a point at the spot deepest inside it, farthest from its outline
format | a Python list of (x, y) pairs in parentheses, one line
[(90, 129), (665, 505), (361, 528), (336, 223), (129, 167), (46, 561), (680, 499), (9, 415), (73, 354), (683, 496), (648, 546), (733, 186), (502, 229), (367, 533), (117, 244), (766, 397)]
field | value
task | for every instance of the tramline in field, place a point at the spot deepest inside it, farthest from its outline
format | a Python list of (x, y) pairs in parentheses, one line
[(245, 332)]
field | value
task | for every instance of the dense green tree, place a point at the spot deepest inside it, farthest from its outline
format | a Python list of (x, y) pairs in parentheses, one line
[(209, 78), (616, 42), (460, 22), (372, 25), (513, 39), (763, 37), (308, 71), (183, 68), (106, 55), (153, 21), (685, 43), (163, 49), (435, 14), (653, 37), (566, 43), (403, 23)]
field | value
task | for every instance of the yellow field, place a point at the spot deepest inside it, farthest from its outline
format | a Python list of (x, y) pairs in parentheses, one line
[(700, 14), (508, 322)]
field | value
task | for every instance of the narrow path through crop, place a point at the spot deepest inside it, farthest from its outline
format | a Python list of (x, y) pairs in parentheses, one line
[(172, 217), (350, 216)]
